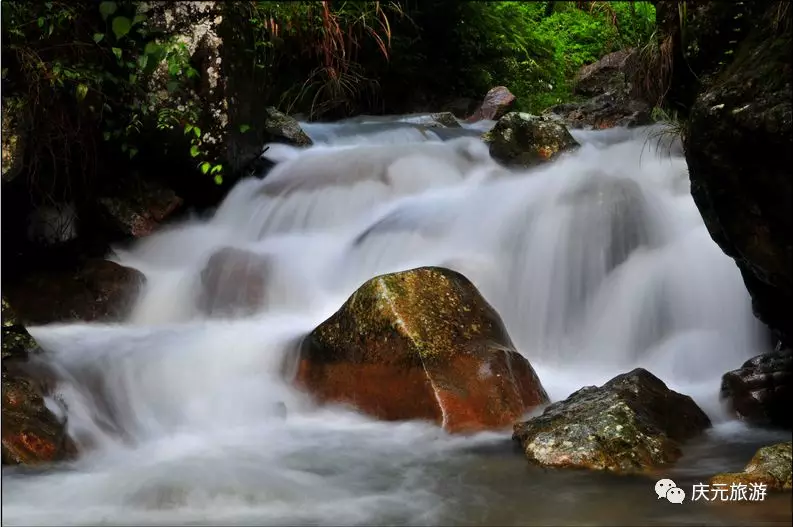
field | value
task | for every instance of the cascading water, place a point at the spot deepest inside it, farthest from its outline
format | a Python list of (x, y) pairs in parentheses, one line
[(597, 263)]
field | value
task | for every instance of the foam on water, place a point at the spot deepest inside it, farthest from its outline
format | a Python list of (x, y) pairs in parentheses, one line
[(597, 263)]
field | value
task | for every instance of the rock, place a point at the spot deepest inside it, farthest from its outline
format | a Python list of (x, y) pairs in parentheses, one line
[(16, 339), (761, 391), (461, 107), (31, 433), (421, 344), (631, 423), (771, 465), (525, 140), (14, 139), (233, 282), (607, 75), (446, 119), (496, 103), (98, 290), (284, 129), (738, 146), (137, 208), (603, 111)]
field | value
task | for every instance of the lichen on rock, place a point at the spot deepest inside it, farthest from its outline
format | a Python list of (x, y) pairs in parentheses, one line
[(525, 140), (421, 344), (771, 465), (631, 423)]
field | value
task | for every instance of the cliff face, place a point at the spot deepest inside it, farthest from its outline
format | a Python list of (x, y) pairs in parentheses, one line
[(736, 93)]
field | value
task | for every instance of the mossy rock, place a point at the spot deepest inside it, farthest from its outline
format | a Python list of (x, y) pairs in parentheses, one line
[(421, 344), (630, 424), (771, 465), (525, 140), (17, 342)]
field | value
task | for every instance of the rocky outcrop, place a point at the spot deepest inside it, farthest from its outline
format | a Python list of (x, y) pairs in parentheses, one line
[(631, 423), (136, 209), (232, 282), (771, 466), (98, 290), (739, 148), (603, 111), (761, 391), (607, 75), (497, 102), (421, 344), (525, 140)]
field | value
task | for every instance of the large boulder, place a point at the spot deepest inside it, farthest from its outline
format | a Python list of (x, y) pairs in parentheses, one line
[(421, 344), (761, 390), (98, 290), (232, 282), (607, 75), (496, 103), (739, 148), (631, 423), (135, 208), (525, 140), (771, 466)]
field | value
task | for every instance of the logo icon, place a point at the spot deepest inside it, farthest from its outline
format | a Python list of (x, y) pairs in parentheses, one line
[(666, 488)]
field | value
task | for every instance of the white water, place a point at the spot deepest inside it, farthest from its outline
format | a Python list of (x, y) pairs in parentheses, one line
[(597, 263)]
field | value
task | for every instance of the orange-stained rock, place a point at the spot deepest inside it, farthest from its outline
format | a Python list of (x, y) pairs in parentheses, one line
[(421, 344), (31, 433)]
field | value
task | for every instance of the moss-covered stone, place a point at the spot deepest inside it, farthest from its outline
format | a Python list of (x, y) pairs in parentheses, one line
[(525, 140), (771, 465), (421, 344), (631, 423), (17, 342)]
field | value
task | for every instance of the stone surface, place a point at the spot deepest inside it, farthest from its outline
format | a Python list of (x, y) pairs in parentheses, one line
[(137, 208), (739, 150), (632, 423), (771, 465), (496, 103), (525, 140), (421, 344), (607, 75), (31, 433), (232, 282), (603, 111), (761, 390), (98, 290)]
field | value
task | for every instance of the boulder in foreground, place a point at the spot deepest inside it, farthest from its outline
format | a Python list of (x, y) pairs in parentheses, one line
[(525, 140), (631, 423), (771, 465), (421, 344)]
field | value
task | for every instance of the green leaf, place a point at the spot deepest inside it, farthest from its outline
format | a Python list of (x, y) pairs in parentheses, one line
[(116, 52), (143, 60), (205, 166), (188, 128), (41, 21), (197, 131), (218, 179), (133, 152), (244, 128), (121, 26), (138, 19), (152, 48), (82, 91), (194, 151), (132, 78), (107, 9), (216, 169), (98, 37)]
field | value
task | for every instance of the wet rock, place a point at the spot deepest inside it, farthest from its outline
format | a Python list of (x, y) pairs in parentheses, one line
[(16, 339), (603, 111), (607, 75), (98, 290), (284, 129), (631, 423), (233, 282), (761, 390), (525, 140), (739, 147), (31, 433), (137, 208), (771, 465), (446, 119), (496, 103), (421, 344)]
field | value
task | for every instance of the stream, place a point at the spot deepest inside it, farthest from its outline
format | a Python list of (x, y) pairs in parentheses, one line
[(598, 262)]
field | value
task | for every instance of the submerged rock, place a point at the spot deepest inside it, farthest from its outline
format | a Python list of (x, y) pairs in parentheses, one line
[(421, 344), (232, 282), (496, 103), (525, 140), (631, 423), (761, 390), (96, 290), (771, 465)]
